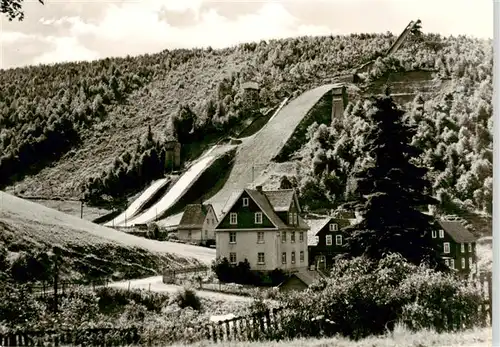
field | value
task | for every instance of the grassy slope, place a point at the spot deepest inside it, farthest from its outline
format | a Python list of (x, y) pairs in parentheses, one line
[(27, 226), (400, 338)]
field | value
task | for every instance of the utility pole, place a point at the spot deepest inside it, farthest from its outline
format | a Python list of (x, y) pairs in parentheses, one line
[(81, 208)]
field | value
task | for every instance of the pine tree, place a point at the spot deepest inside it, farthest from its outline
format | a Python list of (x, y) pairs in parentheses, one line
[(391, 191)]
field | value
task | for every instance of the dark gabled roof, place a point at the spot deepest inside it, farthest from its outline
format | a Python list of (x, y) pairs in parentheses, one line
[(457, 231), (306, 276), (266, 207), (280, 199), (193, 216)]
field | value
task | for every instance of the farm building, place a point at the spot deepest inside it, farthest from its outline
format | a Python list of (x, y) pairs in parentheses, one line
[(197, 224)]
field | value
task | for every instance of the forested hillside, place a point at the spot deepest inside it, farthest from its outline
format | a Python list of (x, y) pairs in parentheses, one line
[(69, 129), (455, 129)]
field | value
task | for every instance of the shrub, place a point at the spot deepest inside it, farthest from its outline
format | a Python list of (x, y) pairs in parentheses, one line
[(186, 297), (364, 297), (240, 274)]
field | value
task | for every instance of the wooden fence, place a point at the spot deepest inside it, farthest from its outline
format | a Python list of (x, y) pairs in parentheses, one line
[(64, 337), (169, 275), (245, 328)]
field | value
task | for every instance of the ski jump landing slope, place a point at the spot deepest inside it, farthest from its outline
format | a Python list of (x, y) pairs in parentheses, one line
[(257, 152), (138, 203), (178, 189)]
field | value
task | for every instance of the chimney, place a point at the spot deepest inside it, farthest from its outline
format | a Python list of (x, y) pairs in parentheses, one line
[(259, 188)]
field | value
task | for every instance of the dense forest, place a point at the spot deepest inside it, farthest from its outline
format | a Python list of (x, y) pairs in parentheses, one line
[(85, 129)]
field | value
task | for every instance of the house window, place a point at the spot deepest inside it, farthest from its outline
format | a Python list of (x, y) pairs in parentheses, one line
[(301, 256), (292, 236), (462, 247), (206, 234), (441, 234), (463, 263), (293, 258), (290, 218), (189, 234), (232, 237), (338, 240), (334, 227), (232, 258), (258, 217), (260, 237), (447, 262), (328, 240), (283, 258), (260, 258), (296, 218), (245, 202), (446, 247), (233, 218), (470, 247), (452, 263), (301, 236), (434, 234), (283, 236)]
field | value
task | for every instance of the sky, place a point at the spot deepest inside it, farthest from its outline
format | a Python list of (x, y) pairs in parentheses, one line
[(72, 30)]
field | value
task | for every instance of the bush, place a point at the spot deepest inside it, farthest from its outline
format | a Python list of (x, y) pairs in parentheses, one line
[(364, 297), (240, 274), (187, 297)]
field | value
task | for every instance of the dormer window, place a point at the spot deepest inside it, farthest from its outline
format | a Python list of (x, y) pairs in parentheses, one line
[(334, 227), (290, 218), (245, 202)]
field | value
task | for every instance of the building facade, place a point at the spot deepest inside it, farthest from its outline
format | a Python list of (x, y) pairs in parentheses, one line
[(197, 224), (265, 228), (326, 237), (457, 246)]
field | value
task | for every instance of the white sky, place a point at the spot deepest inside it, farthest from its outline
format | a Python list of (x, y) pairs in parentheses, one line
[(72, 30)]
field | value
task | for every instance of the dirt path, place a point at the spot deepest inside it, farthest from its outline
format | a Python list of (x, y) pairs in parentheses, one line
[(155, 284)]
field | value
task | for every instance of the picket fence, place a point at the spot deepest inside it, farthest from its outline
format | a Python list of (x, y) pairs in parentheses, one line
[(250, 328)]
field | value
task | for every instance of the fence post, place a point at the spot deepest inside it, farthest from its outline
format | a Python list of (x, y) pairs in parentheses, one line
[(268, 320), (228, 330), (235, 328), (248, 328), (220, 331), (490, 297)]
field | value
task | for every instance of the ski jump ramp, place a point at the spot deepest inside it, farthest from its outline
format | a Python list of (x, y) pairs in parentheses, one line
[(138, 203), (255, 154), (179, 188)]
